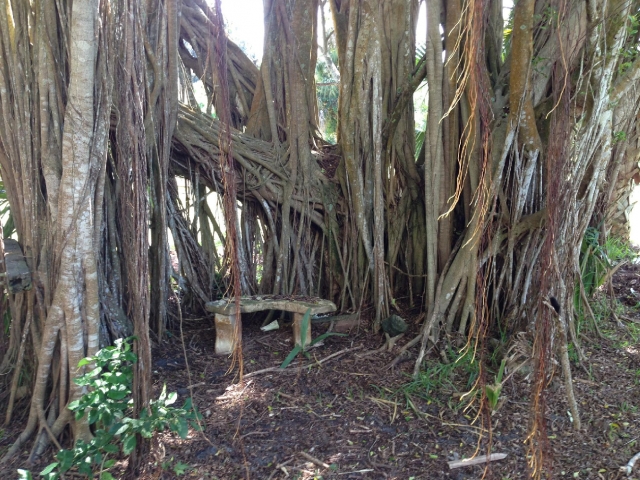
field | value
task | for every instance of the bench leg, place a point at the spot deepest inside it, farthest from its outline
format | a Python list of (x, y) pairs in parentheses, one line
[(297, 330), (225, 333)]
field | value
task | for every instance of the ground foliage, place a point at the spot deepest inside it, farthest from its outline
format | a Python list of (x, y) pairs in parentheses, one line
[(99, 125), (356, 415)]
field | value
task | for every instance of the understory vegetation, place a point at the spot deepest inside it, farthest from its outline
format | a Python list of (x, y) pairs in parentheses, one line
[(475, 176), (108, 406)]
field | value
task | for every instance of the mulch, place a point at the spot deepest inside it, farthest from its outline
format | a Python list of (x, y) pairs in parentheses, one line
[(352, 417)]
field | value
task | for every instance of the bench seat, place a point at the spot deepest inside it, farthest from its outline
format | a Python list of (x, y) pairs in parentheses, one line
[(225, 317)]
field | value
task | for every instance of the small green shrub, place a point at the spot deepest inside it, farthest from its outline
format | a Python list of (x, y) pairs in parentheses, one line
[(442, 375), (108, 405), (597, 259), (493, 391)]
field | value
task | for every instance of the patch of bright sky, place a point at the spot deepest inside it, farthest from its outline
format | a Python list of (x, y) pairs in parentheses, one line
[(245, 25)]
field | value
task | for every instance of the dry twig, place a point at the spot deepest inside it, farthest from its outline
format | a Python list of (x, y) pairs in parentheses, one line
[(477, 460), (628, 468), (302, 367), (315, 460)]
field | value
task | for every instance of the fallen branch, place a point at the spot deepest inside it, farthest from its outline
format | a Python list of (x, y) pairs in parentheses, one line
[(477, 460), (629, 319), (279, 467), (313, 459), (195, 385), (365, 470), (406, 347), (302, 367), (388, 345), (628, 468), (611, 272), (618, 322)]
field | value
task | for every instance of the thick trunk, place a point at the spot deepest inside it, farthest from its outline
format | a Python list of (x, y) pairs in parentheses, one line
[(480, 230), (67, 290)]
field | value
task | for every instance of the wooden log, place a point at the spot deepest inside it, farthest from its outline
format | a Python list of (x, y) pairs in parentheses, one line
[(18, 274), (477, 460)]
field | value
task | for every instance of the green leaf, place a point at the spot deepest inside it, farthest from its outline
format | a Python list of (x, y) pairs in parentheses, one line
[(501, 371), (123, 428), (84, 361), (118, 393), (493, 394), (86, 467), (183, 428), (94, 416), (107, 405), (49, 469), (171, 399), (198, 427), (128, 444), (110, 448), (65, 457), (84, 380), (296, 350), (163, 394), (326, 335), (95, 372), (181, 468), (107, 417)]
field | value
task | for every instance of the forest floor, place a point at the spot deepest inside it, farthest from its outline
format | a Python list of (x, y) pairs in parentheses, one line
[(352, 417)]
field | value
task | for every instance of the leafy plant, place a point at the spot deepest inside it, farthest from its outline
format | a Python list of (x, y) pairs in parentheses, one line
[(436, 377), (181, 468), (620, 136), (304, 327), (107, 405), (598, 261), (598, 258), (493, 391)]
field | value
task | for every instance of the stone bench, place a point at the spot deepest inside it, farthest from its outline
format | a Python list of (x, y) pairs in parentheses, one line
[(225, 317)]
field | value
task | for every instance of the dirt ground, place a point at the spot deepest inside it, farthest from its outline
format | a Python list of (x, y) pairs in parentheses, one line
[(346, 415)]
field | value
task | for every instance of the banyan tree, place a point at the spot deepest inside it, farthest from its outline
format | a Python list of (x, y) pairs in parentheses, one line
[(531, 118)]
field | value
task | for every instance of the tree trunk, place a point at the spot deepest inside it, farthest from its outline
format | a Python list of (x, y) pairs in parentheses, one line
[(67, 269), (479, 231)]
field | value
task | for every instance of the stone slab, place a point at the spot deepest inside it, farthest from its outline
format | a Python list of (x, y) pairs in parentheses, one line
[(257, 304)]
